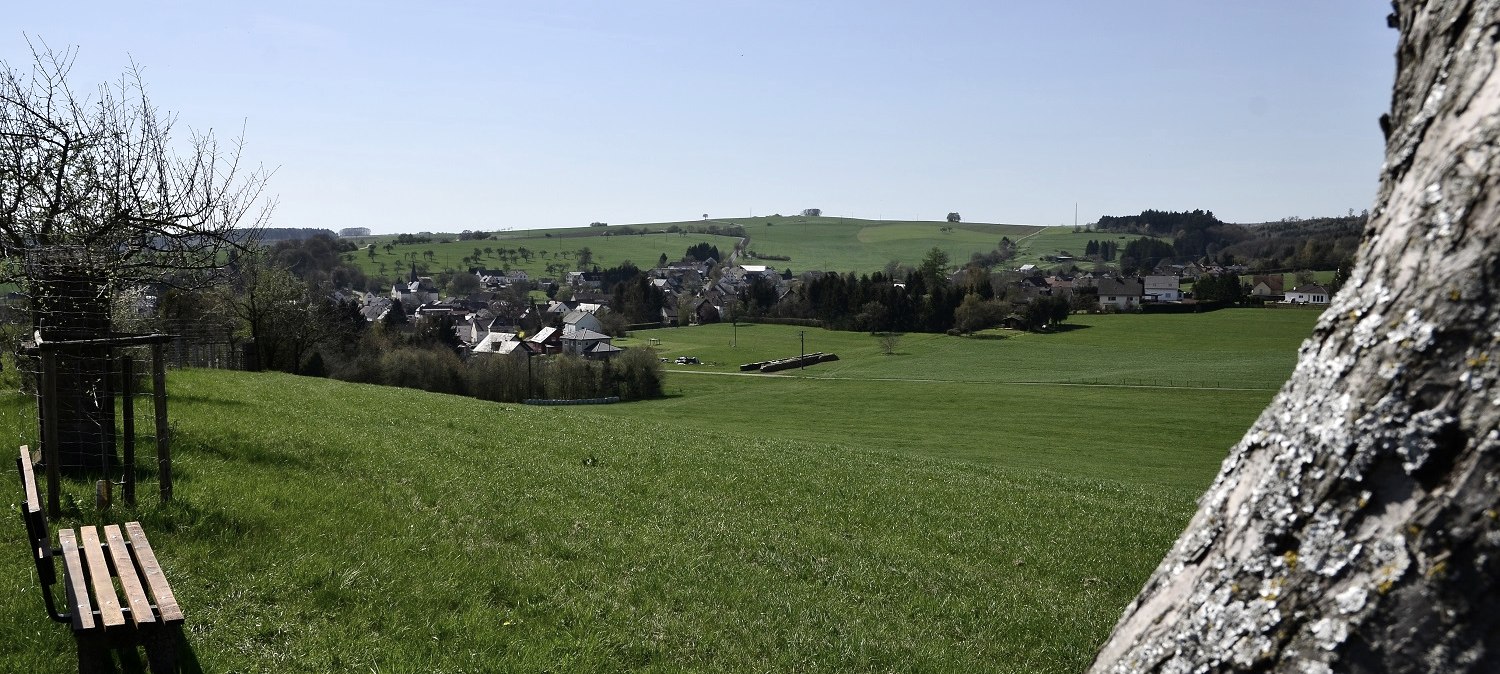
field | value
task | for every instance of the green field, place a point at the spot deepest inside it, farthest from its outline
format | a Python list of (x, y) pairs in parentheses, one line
[(823, 243), (865, 246), (549, 247), (940, 509), (1134, 388)]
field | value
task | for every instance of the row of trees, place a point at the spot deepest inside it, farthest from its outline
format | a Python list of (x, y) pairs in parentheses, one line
[(923, 300), (1314, 243)]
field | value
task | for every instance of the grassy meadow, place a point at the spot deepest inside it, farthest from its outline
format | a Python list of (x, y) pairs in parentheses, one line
[(967, 504), (822, 243), (550, 247)]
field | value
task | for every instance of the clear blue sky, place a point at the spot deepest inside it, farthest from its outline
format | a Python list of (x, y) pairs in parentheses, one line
[(443, 116)]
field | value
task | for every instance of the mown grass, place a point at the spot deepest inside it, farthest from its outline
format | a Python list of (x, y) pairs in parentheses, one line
[(322, 526), (1149, 399), (842, 519)]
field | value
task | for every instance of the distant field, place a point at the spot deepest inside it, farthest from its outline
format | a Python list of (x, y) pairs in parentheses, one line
[(1160, 389), (560, 248), (822, 243), (865, 246)]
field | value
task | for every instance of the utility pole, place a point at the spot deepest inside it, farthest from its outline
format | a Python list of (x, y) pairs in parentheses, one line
[(801, 362)]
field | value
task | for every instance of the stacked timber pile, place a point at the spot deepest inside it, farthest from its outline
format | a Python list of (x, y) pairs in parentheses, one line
[(789, 363)]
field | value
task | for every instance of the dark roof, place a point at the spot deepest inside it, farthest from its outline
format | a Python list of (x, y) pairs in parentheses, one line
[(1114, 286)]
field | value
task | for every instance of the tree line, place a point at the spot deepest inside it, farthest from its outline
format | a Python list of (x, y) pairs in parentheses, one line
[(1293, 243)]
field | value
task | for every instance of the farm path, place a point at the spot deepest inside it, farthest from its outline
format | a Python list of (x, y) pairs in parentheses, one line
[(975, 381)]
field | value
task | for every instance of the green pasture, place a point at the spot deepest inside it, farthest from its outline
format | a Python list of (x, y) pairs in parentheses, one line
[(548, 247), (1149, 399), (951, 507), (821, 243), (1056, 240), (866, 246)]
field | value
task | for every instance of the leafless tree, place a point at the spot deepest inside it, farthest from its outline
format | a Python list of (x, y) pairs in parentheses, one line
[(104, 173), (97, 193), (1355, 527)]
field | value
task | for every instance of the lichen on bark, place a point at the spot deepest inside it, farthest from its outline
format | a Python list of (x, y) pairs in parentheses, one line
[(1354, 527)]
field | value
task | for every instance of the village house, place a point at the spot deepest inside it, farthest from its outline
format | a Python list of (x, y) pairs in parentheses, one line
[(581, 320), (546, 341), (419, 290), (704, 312), (1121, 294), (1161, 288), (1267, 286), (582, 340), (1308, 294)]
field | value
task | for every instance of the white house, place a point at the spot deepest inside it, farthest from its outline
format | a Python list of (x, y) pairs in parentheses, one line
[(420, 290), (1162, 289), (494, 342), (582, 340), (1122, 294), (1308, 294), (581, 320)]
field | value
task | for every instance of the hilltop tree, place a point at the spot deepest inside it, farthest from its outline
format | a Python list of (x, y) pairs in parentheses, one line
[(97, 194), (953, 217), (1353, 528)]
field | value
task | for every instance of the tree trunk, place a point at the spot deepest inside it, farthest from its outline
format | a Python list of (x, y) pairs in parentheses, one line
[(1354, 528)]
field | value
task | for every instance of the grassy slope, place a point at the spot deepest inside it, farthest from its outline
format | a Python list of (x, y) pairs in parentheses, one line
[(864, 246), (751, 524), (399, 531)]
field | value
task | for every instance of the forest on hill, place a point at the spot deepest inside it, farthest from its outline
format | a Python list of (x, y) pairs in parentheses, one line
[(1289, 244)]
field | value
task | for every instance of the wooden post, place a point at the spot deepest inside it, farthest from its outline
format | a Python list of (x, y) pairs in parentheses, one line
[(127, 393), (50, 452), (159, 402)]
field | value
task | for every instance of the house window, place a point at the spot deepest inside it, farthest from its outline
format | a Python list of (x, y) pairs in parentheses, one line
[(1111, 298)]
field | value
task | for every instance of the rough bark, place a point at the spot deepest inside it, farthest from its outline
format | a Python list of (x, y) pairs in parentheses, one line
[(1354, 528)]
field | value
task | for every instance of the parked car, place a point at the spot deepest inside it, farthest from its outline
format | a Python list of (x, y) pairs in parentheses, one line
[(687, 360)]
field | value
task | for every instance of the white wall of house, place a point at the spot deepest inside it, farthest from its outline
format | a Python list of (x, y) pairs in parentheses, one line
[(1121, 302), (1163, 289), (1296, 297)]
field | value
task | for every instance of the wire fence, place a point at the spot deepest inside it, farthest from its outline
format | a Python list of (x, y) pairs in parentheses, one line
[(89, 401)]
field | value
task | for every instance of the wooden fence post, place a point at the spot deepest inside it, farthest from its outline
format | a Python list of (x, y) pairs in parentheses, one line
[(127, 393), (163, 439), (50, 452)]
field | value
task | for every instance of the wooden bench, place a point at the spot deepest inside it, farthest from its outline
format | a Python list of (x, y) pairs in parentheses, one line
[(93, 566)]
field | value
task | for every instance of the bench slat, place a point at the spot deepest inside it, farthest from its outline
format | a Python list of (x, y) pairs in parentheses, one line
[(36, 523), (130, 581), (98, 568), (77, 590), (28, 476), (166, 602)]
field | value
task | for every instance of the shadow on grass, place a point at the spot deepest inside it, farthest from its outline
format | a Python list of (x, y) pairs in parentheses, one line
[(188, 398), (232, 451), (1067, 327), (131, 661)]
